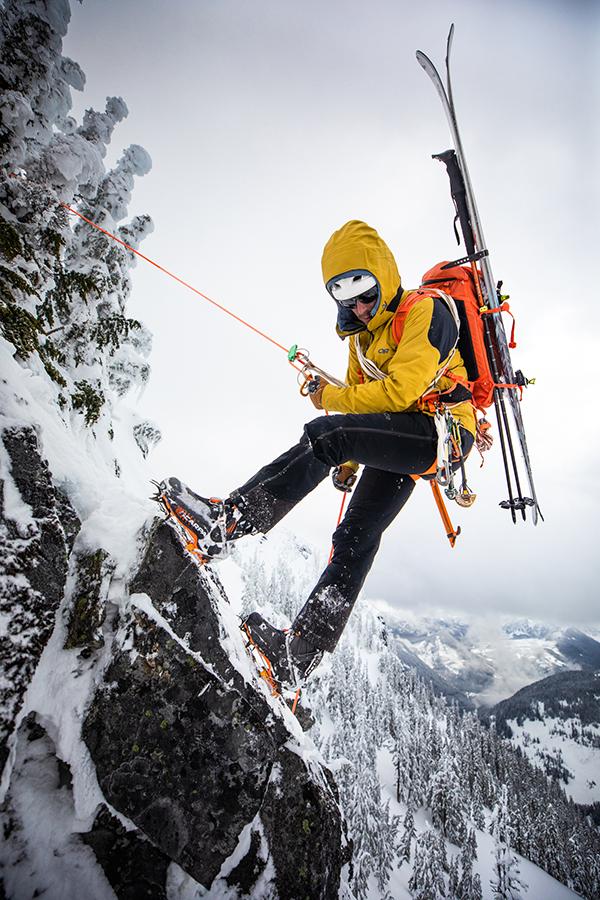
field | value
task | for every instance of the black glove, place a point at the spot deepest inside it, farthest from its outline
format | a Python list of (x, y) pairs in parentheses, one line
[(344, 478)]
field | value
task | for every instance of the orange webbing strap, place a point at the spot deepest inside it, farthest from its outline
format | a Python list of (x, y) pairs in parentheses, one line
[(178, 279), (504, 307), (451, 532)]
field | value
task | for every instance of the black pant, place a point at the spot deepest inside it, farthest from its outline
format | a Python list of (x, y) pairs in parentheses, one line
[(391, 446)]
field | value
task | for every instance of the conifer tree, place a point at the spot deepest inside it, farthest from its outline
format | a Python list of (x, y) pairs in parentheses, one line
[(469, 886), (446, 799), (64, 289), (453, 877), (506, 884), (427, 879), (408, 836)]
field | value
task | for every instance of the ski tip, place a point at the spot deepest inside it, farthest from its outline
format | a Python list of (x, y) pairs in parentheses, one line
[(449, 47)]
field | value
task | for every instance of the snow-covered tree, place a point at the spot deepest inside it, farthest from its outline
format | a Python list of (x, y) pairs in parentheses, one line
[(506, 883), (469, 885), (447, 800), (427, 879), (373, 829), (453, 877), (408, 836), (64, 285)]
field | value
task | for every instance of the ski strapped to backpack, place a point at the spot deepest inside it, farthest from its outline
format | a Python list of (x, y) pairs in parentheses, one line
[(496, 374)]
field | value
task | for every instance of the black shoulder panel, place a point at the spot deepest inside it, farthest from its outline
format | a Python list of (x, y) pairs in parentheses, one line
[(442, 332)]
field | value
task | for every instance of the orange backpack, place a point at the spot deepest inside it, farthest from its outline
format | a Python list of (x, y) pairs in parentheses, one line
[(459, 283)]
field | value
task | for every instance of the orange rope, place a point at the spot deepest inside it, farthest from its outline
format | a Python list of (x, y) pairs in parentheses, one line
[(177, 278)]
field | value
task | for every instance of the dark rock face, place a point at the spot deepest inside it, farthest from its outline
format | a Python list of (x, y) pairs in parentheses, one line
[(34, 557), (296, 815), (177, 752), (247, 872), (193, 754), (134, 867)]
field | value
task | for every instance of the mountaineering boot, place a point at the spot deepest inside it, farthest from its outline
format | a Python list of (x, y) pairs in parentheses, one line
[(285, 658), (204, 525)]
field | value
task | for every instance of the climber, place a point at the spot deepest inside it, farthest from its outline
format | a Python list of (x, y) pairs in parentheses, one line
[(399, 352)]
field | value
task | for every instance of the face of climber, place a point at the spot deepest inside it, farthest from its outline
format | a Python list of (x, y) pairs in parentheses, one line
[(364, 308), (356, 291)]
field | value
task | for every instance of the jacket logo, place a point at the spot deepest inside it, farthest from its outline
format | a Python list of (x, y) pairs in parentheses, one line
[(384, 350)]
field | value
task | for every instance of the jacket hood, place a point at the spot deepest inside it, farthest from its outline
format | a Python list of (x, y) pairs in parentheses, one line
[(357, 247)]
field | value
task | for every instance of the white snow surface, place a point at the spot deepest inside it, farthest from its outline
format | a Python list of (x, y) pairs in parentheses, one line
[(553, 736), (82, 460)]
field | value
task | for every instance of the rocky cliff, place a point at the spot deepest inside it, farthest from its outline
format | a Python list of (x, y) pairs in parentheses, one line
[(193, 772), (141, 756)]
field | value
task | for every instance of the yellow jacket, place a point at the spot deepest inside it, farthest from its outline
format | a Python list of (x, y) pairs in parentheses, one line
[(411, 365)]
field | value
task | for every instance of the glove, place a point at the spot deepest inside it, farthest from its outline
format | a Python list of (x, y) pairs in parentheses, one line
[(344, 478), (315, 390)]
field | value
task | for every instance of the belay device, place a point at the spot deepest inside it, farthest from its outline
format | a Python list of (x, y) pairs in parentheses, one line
[(506, 382)]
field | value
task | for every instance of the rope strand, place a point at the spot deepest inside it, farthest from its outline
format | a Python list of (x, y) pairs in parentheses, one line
[(224, 309), (175, 277)]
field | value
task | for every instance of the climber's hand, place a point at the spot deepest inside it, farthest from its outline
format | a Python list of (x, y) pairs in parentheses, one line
[(344, 478), (315, 389)]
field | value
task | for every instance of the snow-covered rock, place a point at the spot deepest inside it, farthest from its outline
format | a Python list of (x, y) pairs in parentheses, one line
[(140, 752)]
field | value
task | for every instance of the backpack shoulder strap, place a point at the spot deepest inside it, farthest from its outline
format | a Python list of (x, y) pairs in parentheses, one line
[(402, 312), (422, 293)]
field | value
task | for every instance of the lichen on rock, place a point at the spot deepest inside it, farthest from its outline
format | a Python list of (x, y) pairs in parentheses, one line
[(193, 752)]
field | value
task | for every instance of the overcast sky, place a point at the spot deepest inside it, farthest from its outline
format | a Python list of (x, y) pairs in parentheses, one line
[(270, 123)]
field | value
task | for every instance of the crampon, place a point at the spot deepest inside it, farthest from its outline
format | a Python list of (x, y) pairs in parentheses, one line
[(195, 528), (265, 671)]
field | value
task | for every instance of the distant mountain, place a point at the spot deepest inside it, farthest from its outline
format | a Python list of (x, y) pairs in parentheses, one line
[(556, 723), (580, 648), (440, 686), (486, 660)]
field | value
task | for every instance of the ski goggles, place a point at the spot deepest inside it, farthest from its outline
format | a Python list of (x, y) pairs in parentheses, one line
[(366, 298)]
